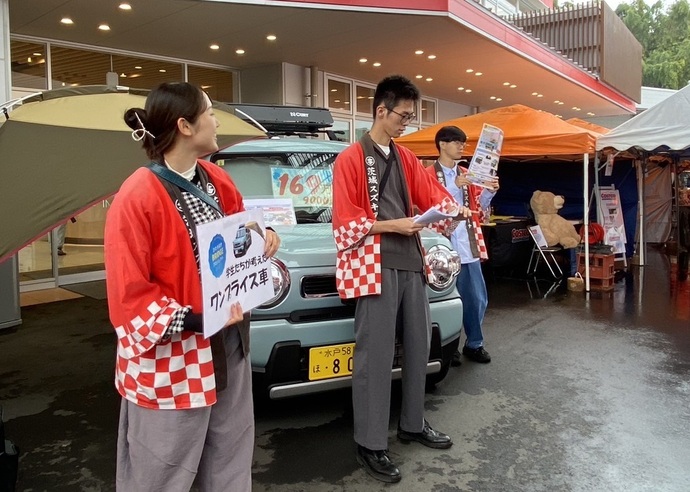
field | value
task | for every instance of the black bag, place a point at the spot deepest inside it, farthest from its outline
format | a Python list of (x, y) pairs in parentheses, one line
[(9, 461)]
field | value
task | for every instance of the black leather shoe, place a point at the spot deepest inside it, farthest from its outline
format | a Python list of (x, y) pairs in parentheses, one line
[(456, 360), (477, 355), (378, 464), (429, 437)]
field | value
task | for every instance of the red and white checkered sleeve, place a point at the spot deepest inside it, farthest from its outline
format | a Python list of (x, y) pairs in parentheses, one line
[(445, 226), (350, 235), (142, 332)]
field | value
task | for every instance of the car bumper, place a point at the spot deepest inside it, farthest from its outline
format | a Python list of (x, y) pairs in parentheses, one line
[(280, 347)]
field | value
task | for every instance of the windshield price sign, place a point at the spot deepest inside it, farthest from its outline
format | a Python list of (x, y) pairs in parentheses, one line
[(306, 187)]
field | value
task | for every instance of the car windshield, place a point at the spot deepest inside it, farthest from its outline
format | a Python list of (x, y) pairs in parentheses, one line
[(304, 177)]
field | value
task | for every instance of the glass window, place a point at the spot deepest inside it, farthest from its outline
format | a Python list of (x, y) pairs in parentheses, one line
[(217, 83), (361, 127), (71, 67), (339, 95), (28, 65), (428, 111), (365, 99), (145, 73), (344, 127)]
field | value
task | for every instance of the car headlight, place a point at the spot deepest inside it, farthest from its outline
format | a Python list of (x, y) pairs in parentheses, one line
[(281, 283), (444, 264)]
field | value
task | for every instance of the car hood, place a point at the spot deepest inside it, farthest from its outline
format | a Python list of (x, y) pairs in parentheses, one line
[(306, 245), (312, 245)]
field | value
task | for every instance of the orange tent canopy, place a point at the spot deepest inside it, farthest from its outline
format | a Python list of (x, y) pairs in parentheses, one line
[(588, 126), (527, 133)]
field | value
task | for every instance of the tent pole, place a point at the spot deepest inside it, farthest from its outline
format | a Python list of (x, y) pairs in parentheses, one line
[(641, 168), (585, 218)]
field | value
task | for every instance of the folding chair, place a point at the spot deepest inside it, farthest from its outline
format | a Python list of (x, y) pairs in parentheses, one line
[(541, 250)]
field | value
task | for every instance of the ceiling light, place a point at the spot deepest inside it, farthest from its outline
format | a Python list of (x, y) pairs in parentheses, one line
[(123, 74), (104, 27), (506, 83), (540, 95), (431, 57), (36, 54), (135, 75), (513, 86), (419, 52), (590, 114), (461, 88), (204, 87), (239, 51), (363, 60), (214, 47), (469, 70), (468, 90), (125, 6), (67, 21), (429, 79), (478, 74), (561, 103), (138, 67), (28, 60), (492, 97), (499, 99), (418, 76), (556, 101), (535, 93), (271, 37), (162, 70), (337, 100), (334, 90), (377, 64)]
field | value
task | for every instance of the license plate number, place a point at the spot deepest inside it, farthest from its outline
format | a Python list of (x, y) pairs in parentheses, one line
[(333, 361)]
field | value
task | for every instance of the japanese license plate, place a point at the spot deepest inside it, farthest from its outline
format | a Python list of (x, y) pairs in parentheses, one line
[(331, 362)]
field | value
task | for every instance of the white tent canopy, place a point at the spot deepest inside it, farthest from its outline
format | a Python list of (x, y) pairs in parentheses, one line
[(663, 127)]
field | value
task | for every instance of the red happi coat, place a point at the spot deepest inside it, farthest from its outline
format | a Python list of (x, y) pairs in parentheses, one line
[(473, 203), (150, 272), (358, 265)]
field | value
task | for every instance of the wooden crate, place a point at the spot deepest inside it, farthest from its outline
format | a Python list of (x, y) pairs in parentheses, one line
[(601, 283), (601, 267)]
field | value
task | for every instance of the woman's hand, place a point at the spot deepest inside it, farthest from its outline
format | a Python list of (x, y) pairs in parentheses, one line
[(236, 314), (272, 243)]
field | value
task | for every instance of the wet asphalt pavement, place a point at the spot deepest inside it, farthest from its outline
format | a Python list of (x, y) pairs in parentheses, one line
[(584, 393)]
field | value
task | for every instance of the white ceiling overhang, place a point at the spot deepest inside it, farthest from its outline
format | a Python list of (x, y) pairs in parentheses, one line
[(334, 35)]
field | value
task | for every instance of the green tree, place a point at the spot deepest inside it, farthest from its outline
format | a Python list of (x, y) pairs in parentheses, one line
[(665, 40)]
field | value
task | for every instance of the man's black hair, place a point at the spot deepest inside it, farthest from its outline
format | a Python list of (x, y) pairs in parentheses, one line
[(449, 134), (393, 89)]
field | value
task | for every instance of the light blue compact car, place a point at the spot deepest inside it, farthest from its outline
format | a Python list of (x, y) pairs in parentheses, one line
[(302, 340)]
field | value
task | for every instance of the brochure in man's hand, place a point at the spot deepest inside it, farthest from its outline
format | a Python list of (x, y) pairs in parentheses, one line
[(432, 215), (484, 165)]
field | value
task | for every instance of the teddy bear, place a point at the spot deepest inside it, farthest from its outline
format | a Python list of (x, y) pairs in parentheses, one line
[(556, 229)]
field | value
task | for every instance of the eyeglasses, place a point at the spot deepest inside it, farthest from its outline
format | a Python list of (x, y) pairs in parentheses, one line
[(406, 117)]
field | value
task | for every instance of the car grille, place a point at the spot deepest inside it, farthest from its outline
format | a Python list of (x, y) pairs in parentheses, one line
[(318, 286)]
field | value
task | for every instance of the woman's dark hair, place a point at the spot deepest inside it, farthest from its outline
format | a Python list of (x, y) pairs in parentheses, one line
[(393, 89), (164, 106)]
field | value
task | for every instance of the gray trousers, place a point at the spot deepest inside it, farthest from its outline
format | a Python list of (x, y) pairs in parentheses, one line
[(165, 450), (403, 295)]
